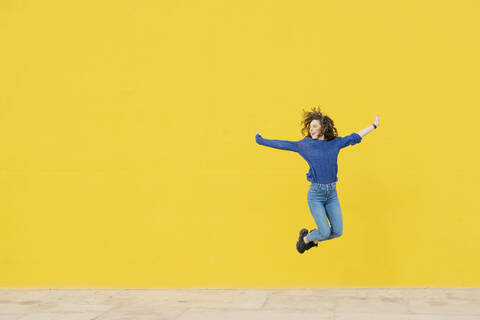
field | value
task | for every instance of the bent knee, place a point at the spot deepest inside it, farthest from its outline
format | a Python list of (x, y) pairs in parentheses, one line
[(337, 234)]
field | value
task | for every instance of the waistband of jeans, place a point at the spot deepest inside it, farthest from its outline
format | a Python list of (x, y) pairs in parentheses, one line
[(324, 184)]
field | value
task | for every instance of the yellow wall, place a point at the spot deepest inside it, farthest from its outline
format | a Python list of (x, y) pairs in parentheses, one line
[(128, 157)]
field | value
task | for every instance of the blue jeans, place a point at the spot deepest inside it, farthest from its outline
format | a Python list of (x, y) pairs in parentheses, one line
[(323, 203)]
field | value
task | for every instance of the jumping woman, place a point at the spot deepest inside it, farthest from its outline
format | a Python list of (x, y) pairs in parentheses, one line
[(320, 147)]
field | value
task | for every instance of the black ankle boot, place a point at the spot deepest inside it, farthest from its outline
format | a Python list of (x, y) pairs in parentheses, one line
[(311, 244), (301, 245)]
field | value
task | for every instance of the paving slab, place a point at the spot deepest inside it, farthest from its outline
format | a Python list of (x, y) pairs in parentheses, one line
[(251, 304)]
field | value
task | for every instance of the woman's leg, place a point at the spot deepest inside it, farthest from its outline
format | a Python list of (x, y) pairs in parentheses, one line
[(334, 214), (316, 202)]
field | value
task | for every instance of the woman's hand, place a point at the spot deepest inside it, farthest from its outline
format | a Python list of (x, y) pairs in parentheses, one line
[(376, 120)]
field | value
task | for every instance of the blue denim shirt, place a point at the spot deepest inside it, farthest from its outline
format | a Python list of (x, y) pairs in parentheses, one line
[(321, 155)]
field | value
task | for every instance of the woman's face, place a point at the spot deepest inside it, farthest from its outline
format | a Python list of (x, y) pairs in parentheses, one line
[(315, 128)]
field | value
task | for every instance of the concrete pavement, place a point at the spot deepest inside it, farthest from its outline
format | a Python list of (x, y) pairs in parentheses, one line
[(251, 304)]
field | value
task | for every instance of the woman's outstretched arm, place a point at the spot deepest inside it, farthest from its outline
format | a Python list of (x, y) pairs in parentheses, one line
[(367, 130), (277, 144)]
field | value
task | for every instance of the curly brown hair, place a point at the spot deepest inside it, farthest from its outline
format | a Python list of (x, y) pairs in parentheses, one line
[(327, 126)]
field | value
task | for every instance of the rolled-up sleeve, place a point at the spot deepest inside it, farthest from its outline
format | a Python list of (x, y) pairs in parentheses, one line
[(351, 139), (277, 144)]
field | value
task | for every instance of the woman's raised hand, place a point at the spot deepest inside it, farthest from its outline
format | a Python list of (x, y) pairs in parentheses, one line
[(376, 120)]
